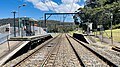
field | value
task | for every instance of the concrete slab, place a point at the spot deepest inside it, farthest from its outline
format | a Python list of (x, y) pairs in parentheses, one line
[(5, 49), (27, 38), (6, 53)]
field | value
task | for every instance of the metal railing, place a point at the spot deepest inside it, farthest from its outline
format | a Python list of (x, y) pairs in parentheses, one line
[(5, 38)]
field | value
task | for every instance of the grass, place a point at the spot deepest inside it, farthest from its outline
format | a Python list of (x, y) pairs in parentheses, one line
[(107, 33), (115, 33)]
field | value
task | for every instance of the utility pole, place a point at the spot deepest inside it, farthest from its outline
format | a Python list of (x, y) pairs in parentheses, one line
[(111, 28), (111, 16), (14, 12), (19, 24)]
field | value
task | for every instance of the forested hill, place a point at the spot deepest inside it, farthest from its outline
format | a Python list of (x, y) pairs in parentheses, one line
[(6, 21), (39, 23)]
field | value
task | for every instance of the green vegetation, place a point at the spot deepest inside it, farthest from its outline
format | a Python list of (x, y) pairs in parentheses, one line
[(102, 13), (7, 21), (52, 25), (116, 34), (57, 26), (98, 15)]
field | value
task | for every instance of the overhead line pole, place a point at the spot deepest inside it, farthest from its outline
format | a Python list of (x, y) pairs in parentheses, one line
[(45, 20), (19, 23), (54, 14), (59, 13), (14, 12)]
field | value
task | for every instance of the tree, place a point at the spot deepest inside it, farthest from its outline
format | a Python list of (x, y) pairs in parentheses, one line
[(98, 15)]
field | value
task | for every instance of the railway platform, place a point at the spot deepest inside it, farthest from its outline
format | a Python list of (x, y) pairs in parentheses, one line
[(66, 51), (13, 45), (7, 51)]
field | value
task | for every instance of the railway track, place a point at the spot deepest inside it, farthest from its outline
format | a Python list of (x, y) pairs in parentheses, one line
[(36, 58), (63, 56), (57, 53), (111, 55), (38, 54), (64, 51), (89, 59)]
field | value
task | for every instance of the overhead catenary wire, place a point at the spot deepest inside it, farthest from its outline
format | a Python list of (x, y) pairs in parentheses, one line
[(48, 6), (71, 6), (70, 9), (49, 2), (52, 7)]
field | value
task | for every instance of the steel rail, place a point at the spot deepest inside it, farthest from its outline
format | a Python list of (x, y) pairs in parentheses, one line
[(41, 46)]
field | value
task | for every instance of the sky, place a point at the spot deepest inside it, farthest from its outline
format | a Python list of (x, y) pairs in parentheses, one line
[(36, 8)]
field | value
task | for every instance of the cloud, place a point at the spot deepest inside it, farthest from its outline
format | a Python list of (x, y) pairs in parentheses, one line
[(41, 6), (33, 1), (70, 1), (51, 5), (68, 8), (47, 5)]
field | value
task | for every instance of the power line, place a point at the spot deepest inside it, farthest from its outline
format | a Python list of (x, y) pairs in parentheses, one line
[(52, 5), (71, 6), (59, 11), (69, 10), (46, 5), (53, 9)]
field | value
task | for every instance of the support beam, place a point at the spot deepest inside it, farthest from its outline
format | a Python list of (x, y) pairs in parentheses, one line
[(54, 14)]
